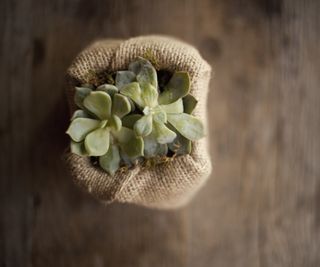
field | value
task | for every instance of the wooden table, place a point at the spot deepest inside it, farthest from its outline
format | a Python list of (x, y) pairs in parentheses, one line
[(261, 206)]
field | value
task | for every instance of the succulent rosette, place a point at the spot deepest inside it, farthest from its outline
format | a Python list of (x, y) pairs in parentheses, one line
[(135, 118)]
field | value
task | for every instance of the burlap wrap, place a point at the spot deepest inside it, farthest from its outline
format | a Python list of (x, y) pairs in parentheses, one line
[(168, 185)]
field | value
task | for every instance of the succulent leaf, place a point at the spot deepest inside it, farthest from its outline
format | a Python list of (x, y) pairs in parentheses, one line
[(124, 135), (78, 148), (173, 108), (147, 75), (163, 134), (133, 149), (133, 106), (115, 123), (79, 113), (178, 87), (133, 91), (180, 145), (138, 64), (124, 77), (143, 126), (110, 161), (129, 143), (120, 105), (97, 142), (103, 123), (149, 95), (99, 103), (160, 116), (108, 88), (152, 148), (80, 127), (80, 95), (129, 120), (187, 125), (189, 104)]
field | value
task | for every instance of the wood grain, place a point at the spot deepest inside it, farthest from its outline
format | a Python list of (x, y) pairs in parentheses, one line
[(261, 205)]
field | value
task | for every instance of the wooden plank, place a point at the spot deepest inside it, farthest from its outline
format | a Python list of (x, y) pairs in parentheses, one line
[(261, 207), (15, 127), (68, 227)]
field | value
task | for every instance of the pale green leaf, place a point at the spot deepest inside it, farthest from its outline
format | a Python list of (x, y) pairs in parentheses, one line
[(110, 162), (177, 87), (175, 107), (189, 103), (133, 91), (80, 127), (80, 95), (129, 120), (180, 145), (134, 148), (149, 95), (99, 103), (80, 114), (143, 126), (138, 64), (124, 135), (121, 105), (159, 115), (163, 134), (187, 125), (103, 123), (115, 123), (148, 75), (129, 143), (108, 88), (152, 148), (124, 77), (97, 142), (78, 148), (133, 106)]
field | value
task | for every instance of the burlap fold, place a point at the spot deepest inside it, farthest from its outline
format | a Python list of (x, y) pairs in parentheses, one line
[(168, 185)]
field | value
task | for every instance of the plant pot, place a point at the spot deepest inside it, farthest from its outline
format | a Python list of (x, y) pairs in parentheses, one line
[(167, 185)]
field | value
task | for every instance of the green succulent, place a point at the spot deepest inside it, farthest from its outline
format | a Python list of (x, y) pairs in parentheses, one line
[(163, 120), (96, 129), (134, 118)]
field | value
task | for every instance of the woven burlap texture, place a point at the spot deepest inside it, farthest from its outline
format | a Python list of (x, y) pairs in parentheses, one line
[(168, 185)]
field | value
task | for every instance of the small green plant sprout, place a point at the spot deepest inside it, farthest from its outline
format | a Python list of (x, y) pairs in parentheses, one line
[(96, 128), (166, 118)]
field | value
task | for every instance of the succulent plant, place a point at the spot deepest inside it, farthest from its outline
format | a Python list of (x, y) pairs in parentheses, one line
[(163, 120), (135, 117), (96, 129)]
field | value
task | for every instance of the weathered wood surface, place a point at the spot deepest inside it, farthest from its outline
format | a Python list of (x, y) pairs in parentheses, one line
[(262, 205)]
